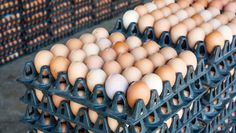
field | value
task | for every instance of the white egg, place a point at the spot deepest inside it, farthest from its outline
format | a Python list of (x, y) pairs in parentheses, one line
[(154, 82)]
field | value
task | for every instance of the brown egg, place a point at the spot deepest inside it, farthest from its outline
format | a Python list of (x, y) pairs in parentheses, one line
[(57, 99), (166, 73), (190, 23), (173, 19), (214, 11), (59, 64), (178, 65), (87, 38), (74, 73), (195, 35), (159, 3), (60, 50), (190, 10), (77, 55), (214, 39), (157, 59), (121, 47), (178, 31), (222, 18), (189, 58), (216, 3), (100, 32), (138, 90), (161, 26), (174, 7), (132, 74), (116, 37), (133, 42), (75, 107), (74, 44), (197, 18), (141, 9), (139, 53), (112, 67), (206, 27), (203, 2), (42, 58), (151, 47), (145, 21), (198, 7), (230, 7), (125, 60), (166, 11), (94, 62), (108, 54), (157, 14), (39, 94), (168, 53), (93, 116), (145, 66), (183, 3)]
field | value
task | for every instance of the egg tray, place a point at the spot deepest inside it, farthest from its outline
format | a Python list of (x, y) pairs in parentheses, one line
[(9, 10), (59, 23), (34, 8), (10, 22), (98, 17), (121, 9), (218, 63), (80, 23), (36, 45), (35, 31), (81, 3), (7, 59), (28, 19), (8, 49), (63, 34)]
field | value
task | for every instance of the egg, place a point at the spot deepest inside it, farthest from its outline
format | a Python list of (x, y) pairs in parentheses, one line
[(226, 31), (166, 11), (195, 35), (113, 124), (189, 23), (157, 59), (215, 23), (57, 100), (133, 42), (59, 64), (198, 19), (178, 65), (104, 43), (100, 32), (87, 38), (181, 14), (214, 39), (230, 15), (150, 6), (168, 53), (166, 73), (125, 60), (132, 74), (74, 44), (190, 11), (95, 77), (230, 7), (116, 37), (206, 15), (214, 11), (93, 116), (115, 83), (60, 50), (206, 27), (77, 55), (94, 61), (189, 58), (77, 70), (153, 81), (174, 7), (169, 1), (232, 27), (139, 53), (141, 10), (157, 14), (129, 17), (138, 90), (183, 3), (159, 3), (216, 3), (161, 26), (178, 31), (42, 58), (108, 54), (144, 65), (112, 67), (91, 49), (222, 18), (121, 47), (151, 47), (145, 21), (75, 107), (173, 19), (198, 7)]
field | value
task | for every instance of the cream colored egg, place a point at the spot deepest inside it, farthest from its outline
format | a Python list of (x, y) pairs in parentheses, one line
[(91, 49), (226, 32), (129, 17), (87, 38), (154, 82), (60, 50), (100, 32), (95, 77), (178, 65), (181, 14), (133, 42), (195, 35), (132, 74), (77, 70), (104, 43), (173, 19), (77, 55)]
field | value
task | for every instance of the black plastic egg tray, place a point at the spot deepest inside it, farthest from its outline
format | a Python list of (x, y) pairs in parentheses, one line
[(12, 8), (118, 6)]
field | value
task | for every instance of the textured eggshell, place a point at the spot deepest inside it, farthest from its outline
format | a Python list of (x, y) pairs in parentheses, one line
[(132, 74), (141, 10), (125, 60), (174, 7), (159, 3), (104, 43), (214, 11), (100, 32), (173, 19), (116, 37), (198, 19), (113, 124), (206, 15), (161, 26), (181, 14), (226, 32), (129, 17), (60, 50), (195, 35), (115, 83), (121, 47), (190, 10), (77, 55), (94, 61), (42, 58), (178, 31), (168, 53), (154, 82), (75, 107), (166, 11), (77, 70), (108, 54), (190, 23), (222, 18), (166, 73), (157, 59), (91, 49), (157, 14), (207, 27), (150, 6), (138, 90), (189, 58), (139, 53), (59, 64), (178, 65), (215, 23), (93, 116), (95, 77), (74, 43), (145, 21), (112, 67), (145, 66), (87, 38), (151, 47), (133, 42), (214, 39)]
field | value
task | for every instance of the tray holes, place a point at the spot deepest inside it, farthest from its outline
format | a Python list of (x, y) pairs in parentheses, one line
[(231, 89), (167, 40), (81, 114), (151, 117), (46, 120), (197, 84), (183, 130), (100, 97), (82, 131), (164, 109), (184, 45), (101, 124), (223, 95), (233, 114), (213, 71), (138, 128), (80, 90), (62, 85), (229, 60), (175, 100), (222, 66), (216, 101), (186, 92), (202, 50), (207, 109), (220, 128), (120, 106)]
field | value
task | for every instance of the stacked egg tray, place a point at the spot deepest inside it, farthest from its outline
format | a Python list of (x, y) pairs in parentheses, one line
[(8, 7), (102, 10), (10, 37), (35, 24), (119, 6)]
